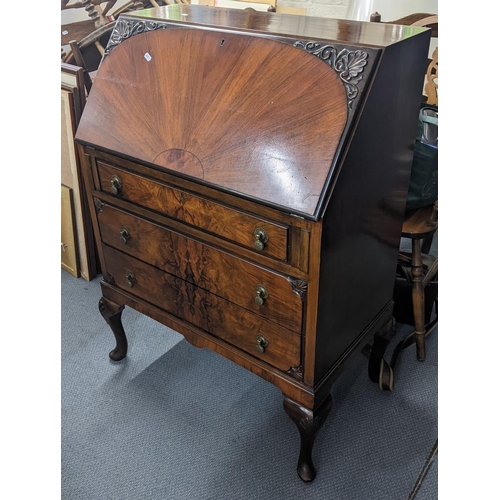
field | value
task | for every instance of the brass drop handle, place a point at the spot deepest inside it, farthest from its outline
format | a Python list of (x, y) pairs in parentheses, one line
[(124, 235), (129, 279), (261, 238), (262, 343), (262, 295), (116, 185)]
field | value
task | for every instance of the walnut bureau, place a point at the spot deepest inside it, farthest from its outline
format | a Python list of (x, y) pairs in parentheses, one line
[(248, 175)]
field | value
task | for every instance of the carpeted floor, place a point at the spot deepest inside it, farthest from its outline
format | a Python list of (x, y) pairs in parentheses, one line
[(172, 422)]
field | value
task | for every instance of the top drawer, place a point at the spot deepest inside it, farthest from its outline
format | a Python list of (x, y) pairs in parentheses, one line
[(267, 238)]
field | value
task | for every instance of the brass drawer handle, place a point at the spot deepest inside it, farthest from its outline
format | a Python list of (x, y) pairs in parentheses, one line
[(124, 235), (261, 238), (129, 279), (262, 343), (116, 185), (262, 295)]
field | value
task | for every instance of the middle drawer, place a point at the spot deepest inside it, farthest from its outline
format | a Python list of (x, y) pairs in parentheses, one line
[(257, 289)]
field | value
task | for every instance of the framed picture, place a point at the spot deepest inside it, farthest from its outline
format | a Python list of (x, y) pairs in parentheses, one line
[(69, 258), (73, 98)]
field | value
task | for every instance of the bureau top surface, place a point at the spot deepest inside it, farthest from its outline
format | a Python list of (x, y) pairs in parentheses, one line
[(210, 95), (317, 28)]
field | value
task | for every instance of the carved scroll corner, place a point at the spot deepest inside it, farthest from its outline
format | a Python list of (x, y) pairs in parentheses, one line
[(297, 372), (126, 28), (109, 279), (299, 287), (348, 64), (99, 205)]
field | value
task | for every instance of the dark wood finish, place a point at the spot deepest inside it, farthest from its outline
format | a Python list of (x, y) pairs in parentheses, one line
[(341, 31), (198, 164), (428, 21), (360, 249), (81, 63), (112, 314), (421, 224), (308, 423)]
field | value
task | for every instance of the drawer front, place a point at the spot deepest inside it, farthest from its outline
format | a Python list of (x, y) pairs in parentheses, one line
[(237, 227), (205, 310), (261, 291)]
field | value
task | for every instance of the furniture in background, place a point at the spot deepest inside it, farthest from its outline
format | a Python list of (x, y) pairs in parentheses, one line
[(424, 20), (260, 5), (421, 224), (78, 255), (83, 42), (252, 202)]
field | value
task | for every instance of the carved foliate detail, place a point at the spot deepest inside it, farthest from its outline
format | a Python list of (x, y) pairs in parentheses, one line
[(109, 279), (297, 372), (99, 205), (348, 64), (126, 28), (299, 287)]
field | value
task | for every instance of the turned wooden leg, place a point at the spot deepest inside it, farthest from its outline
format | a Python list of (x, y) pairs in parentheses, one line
[(417, 273), (308, 423), (112, 313)]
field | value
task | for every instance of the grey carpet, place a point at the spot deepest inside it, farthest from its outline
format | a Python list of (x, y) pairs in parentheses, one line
[(174, 422)]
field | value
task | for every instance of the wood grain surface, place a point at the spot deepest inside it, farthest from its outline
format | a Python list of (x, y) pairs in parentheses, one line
[(273, 113), (213, 314), (218, 272), (222, 221), (282, 25)]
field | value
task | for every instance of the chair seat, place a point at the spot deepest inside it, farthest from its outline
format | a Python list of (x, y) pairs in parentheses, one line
[(417, 223)]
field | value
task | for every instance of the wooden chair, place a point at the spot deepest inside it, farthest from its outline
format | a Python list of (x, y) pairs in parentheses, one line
[(420, 225)]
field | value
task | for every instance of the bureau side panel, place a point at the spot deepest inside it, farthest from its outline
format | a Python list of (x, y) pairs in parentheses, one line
[(362, 224)]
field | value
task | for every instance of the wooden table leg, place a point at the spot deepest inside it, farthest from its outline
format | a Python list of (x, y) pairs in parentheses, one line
[(417, 272)]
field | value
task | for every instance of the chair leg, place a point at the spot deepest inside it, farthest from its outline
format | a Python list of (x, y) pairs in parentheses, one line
[(418, 298), (427, 243)]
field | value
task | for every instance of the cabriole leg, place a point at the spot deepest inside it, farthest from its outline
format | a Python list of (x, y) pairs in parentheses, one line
[(112, 314), (308, 423)]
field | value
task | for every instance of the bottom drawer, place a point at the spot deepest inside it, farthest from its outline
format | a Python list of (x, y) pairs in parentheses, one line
[(247, 331)]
